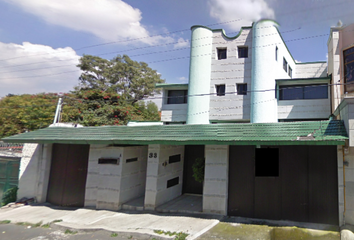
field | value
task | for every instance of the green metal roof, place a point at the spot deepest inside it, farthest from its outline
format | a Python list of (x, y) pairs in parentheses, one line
[(282, 133), (172, 85)]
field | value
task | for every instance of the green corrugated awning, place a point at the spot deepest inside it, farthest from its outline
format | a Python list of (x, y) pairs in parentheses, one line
[(282, 133)]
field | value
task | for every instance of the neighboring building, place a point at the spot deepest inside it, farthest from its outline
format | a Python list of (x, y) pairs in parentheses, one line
[(273, 132)]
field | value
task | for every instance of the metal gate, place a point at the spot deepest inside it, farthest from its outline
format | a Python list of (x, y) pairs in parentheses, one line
[(9, 169), (301, 185)]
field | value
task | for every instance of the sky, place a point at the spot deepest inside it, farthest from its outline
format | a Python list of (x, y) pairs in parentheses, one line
[(41, 41)]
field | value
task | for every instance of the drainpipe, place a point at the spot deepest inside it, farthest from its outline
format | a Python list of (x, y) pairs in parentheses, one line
[(345, 207)]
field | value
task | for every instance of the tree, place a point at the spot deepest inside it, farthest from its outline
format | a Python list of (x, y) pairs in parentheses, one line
[(132, 80), (97, 108), (20, 113)]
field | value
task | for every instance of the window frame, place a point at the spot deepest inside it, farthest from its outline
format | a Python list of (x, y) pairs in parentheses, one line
[(285, 65), (241, 50), (301, 90), (170, 98), (290, 72), (220, 94), (244, 92), (219, 51), (347, 53)]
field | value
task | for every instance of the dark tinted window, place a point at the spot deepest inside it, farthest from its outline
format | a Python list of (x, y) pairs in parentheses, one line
[(220, 90), (221, 53), (303, 92), (177, 96), (242, 52), (241, 88)]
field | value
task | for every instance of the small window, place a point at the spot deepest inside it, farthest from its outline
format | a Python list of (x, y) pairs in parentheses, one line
[(174, 158), (172, 182), (290, 72), (220, 90), (241, 88), (276, 53), (267, 162), (285, 65), (114, 161), (222, 53), (177, 96), (131, 160), (242, 52)]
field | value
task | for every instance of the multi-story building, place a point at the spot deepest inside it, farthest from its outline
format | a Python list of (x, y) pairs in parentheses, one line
[(273, 133)]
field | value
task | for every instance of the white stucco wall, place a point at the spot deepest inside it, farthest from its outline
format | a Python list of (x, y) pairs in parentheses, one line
[(310, 70), (108, 186), (157, 192), (34, 171), (174, 112), (215, 192)]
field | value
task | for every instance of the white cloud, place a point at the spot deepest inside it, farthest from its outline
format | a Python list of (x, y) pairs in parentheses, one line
[(33, 68), (111, 20), (181, 43), (183, 80), (246, 10)]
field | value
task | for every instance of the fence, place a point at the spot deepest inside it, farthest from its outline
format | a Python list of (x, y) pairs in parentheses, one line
[(9, 169)]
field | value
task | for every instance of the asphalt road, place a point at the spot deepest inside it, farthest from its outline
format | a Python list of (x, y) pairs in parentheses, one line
[(18, 232)]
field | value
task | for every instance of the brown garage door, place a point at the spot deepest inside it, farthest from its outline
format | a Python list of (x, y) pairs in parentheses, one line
[(68, 173)]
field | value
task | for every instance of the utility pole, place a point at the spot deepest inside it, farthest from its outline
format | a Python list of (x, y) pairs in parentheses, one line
[(58, 111)]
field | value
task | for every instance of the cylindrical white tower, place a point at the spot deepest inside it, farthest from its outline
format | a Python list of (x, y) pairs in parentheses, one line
[(263, 101), (199, 76)]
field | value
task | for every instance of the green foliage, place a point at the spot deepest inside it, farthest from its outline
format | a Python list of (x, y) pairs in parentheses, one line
[(114, 234), (97, 108), (198, 169), (9, 196), (178, 236), (68, 231), (131, 79), (5, 222)]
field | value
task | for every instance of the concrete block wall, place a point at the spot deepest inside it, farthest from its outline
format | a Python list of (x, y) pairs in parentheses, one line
[(174, 112), (103, 180), (133, 174), (158, 174), (230, 71), (215, 192), (34, 171), (311, 70), (107, 186), (304, 109)]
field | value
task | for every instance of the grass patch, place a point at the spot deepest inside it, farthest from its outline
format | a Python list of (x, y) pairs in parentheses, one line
[(114, 235), (47, 225), (68, 231), (5, 222), (27, 224), (179, 236)]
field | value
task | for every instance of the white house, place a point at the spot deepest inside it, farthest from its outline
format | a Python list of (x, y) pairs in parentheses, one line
[(273, 132)]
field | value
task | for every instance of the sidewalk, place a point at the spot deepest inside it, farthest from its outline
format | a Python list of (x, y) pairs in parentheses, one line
[(123, 221)]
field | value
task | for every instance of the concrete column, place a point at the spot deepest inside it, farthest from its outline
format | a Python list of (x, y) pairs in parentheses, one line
[(263, 103), (34, 171), (159, 172), (199, 76), (349, 185), (215, 193)]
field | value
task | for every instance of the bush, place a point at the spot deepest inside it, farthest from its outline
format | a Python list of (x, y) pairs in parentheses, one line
[(198, 169), (9, 196)]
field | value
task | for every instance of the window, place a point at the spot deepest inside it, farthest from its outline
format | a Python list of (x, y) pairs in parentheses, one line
[(177, 96), (303, 92), (241, 88), (276, 53), (108, 161), (172, 182), (174, 158), (220, 90), (131, 160), (285, 65), (267, 162), (221, 53), (290, 72), (242, 52), (349, 69)]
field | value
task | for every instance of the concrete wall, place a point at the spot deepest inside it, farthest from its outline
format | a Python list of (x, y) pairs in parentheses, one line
[(304, 109), (157, 192), (34, 171), (334, 67), (230, 71), (310, 70), (215, 192), (108, 186)]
